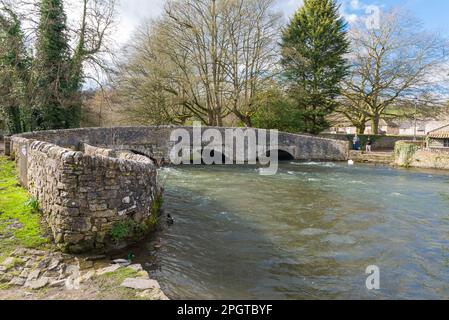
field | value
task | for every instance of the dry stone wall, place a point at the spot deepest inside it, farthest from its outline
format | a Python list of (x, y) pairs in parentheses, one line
[(84, 195)]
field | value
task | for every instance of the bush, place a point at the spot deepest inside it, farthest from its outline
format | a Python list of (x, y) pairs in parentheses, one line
[(275, 111), (33, 204), (127, 230), (404, 152), (133, 231)]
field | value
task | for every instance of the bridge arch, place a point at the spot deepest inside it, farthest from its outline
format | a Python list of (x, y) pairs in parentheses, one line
[(283, 155)]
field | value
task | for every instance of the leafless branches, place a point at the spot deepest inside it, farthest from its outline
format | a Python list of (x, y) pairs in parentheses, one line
[(392, 67), (208, 58)]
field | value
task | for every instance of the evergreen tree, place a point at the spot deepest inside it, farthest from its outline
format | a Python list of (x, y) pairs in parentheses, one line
[(313, 49), (52, 68), (14, 73)]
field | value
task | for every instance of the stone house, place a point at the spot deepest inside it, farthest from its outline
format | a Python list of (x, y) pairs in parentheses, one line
[(385, 127), (438, 139), (394, 128)]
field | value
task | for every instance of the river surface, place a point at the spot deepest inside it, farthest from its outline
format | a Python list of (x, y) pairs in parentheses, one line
[(309, 232)]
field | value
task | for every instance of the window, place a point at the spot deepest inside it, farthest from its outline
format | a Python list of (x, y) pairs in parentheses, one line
[(446, 143)]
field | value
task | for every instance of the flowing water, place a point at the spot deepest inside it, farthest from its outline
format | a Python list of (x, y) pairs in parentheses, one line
[(309, 232)]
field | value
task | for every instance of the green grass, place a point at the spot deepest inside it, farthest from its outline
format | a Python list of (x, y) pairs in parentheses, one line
[(17, 207), (110, 283)]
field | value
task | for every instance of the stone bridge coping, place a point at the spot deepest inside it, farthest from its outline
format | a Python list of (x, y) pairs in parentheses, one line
[(154, 141), (30, 135)]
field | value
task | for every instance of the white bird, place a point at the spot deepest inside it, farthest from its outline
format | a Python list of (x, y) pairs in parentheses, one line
[(351, 162)]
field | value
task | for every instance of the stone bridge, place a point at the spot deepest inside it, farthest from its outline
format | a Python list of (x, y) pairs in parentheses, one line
[(92, 181), (154, 142)]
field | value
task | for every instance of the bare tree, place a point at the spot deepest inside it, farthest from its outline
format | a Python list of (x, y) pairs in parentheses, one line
[(149, 85), (391, 67), (251, 59), (90, 31), (207, 58)]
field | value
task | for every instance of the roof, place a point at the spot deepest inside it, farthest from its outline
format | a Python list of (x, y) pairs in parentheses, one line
[(439, 135), (441, 130), (384, 123)]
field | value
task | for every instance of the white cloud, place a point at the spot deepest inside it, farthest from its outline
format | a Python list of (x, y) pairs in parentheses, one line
[(355, 4), (288, 7), (130, 14), (351, 18), (133, 13)]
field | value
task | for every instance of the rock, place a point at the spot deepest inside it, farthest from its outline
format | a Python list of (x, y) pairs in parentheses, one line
[(19, 252), (152, 295), (122, 262), (54, 263), (34, 275), (30, 263), (44, 263), (51, 274), (72, 283), (24, 274), (16, 281), (140, 284), (136, 267), (109, 269), (16, 225), (96, 258), (86, 277), (6, 278), (86, 265), (8, 262), (54, 283), (2, 268), (37, 284), (34, 252), (72, 269)]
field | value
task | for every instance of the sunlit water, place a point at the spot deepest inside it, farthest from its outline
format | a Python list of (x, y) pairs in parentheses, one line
[(307, 233)]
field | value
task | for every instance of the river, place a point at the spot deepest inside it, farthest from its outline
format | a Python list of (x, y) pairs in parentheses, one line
[(308, 232)]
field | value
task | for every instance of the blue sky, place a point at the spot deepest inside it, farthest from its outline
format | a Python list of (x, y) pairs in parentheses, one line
[(433, 13), (131, 13)]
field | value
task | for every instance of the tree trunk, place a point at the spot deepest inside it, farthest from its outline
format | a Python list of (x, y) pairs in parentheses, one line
[(14, 122), (361, 129), (375, 125)]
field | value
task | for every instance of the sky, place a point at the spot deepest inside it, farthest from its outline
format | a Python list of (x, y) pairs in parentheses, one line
[(433, 13)]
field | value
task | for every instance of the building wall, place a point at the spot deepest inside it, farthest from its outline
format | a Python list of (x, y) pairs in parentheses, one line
[(437, 144)]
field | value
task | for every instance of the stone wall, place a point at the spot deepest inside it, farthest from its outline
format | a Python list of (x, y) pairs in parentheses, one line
[(84, 195), (154, 142), (380, 143), (424, 159), (7, 146)]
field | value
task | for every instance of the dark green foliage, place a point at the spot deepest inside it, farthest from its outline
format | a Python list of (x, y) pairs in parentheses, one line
[(53, 104), (313, 46), (42, 92), (33, 204), (14, 74), (157, 204), (275, 111), (127, 230)]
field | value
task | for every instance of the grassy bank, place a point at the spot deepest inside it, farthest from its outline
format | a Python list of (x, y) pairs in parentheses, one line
[(19, 221)]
